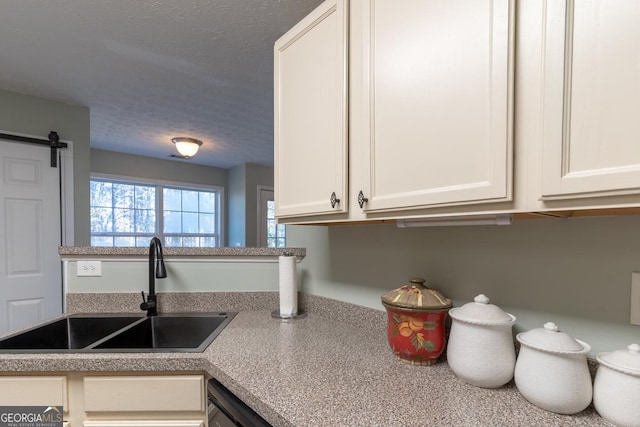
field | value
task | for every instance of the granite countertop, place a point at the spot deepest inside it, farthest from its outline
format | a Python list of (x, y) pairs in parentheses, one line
[(97, 251), (323, 371)]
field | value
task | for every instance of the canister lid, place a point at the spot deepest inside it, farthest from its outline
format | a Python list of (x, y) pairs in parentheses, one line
[(626, 361), (481, 312), (416, 296), (552, 340)]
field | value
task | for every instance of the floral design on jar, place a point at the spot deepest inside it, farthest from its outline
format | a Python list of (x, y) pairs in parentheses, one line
[(413, 328)]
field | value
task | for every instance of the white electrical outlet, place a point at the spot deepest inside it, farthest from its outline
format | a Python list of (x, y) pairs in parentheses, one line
[(635, 298), (89, 268)]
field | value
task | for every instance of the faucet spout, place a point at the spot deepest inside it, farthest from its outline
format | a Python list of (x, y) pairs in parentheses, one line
[(157, 270)]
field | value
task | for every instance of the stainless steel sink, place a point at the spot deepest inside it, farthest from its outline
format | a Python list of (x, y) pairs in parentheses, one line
[(168, 333), (69, 333), (191, 332)]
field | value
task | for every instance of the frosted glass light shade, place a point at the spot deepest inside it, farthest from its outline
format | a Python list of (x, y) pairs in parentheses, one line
[(187, 147)]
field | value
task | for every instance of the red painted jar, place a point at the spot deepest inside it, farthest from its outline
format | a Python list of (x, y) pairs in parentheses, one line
[(416, 317)]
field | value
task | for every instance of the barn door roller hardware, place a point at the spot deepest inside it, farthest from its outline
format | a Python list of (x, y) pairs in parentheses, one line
[(53, 142)]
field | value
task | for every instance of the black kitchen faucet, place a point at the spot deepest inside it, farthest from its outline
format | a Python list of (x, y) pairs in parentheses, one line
[(155, 271)]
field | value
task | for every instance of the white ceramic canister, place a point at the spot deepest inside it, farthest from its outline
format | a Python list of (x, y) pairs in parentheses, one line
[(552, 371), (481, 350), (616, 391)]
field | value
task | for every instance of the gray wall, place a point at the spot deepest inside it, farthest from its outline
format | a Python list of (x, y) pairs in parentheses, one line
[(575, 272), (110, 162), (256, 175), (237, 207), (36, 116)]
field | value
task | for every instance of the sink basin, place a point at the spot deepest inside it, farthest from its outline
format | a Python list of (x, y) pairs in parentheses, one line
[(191, 332), (70, 333)]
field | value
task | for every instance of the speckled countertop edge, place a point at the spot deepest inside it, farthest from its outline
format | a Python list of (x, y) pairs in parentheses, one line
[(330, 368), (82, 251)]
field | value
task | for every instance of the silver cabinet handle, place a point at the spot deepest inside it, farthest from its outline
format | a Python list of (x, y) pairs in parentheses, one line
[(361, 199), (334, 200)]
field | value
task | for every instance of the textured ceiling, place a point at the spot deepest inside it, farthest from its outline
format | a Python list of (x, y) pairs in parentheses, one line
[(153, 69)]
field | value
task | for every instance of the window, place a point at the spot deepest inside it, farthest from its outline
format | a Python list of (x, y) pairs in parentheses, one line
[(270, 234), (127, 213)]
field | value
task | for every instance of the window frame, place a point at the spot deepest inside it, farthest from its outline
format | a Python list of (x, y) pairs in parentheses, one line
[(160, 184)]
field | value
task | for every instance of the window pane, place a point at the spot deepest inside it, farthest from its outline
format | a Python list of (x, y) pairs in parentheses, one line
[(145, 221), (173, 241), (101, 241), (207, 223), (190, 242), (271, 242), (172, 222), (143, 241), (123, 195), (101, 220), (207, 202), (124, 241), (208, 242), (124, 220), (271, 209), (145, 197), (171, 199), (190, 201), (189, 222), (101, 194)]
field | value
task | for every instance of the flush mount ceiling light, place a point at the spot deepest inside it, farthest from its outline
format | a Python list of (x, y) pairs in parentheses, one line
[(187, 147)]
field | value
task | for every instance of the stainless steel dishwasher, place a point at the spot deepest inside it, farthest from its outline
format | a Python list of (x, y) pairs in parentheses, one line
[(226, 410)]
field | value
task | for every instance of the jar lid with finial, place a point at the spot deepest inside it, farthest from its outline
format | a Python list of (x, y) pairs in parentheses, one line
[(416, 296)]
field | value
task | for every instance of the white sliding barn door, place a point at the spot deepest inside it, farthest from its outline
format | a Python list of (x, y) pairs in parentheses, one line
[(30, 233)]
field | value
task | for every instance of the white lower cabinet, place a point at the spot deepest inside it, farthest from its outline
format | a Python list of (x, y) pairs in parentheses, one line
[(113, 399)]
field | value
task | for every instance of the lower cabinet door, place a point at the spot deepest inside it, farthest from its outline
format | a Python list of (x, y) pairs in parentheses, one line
[(34, 391), (144, 393)]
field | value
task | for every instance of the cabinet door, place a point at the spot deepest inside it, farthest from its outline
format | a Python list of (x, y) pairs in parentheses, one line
[(144, 393), (591, 117), (311, 114), (439, 88), (34, 391)]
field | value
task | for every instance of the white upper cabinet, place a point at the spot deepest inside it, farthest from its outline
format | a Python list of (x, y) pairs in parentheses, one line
[(311, 114), (591, 107), (437, 86), (445, 118)]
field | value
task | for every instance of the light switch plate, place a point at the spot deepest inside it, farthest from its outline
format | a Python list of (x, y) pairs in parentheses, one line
[(89, 268), (635, 298)]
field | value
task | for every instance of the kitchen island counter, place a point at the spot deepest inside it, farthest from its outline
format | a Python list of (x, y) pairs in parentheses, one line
[(316, 371)]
